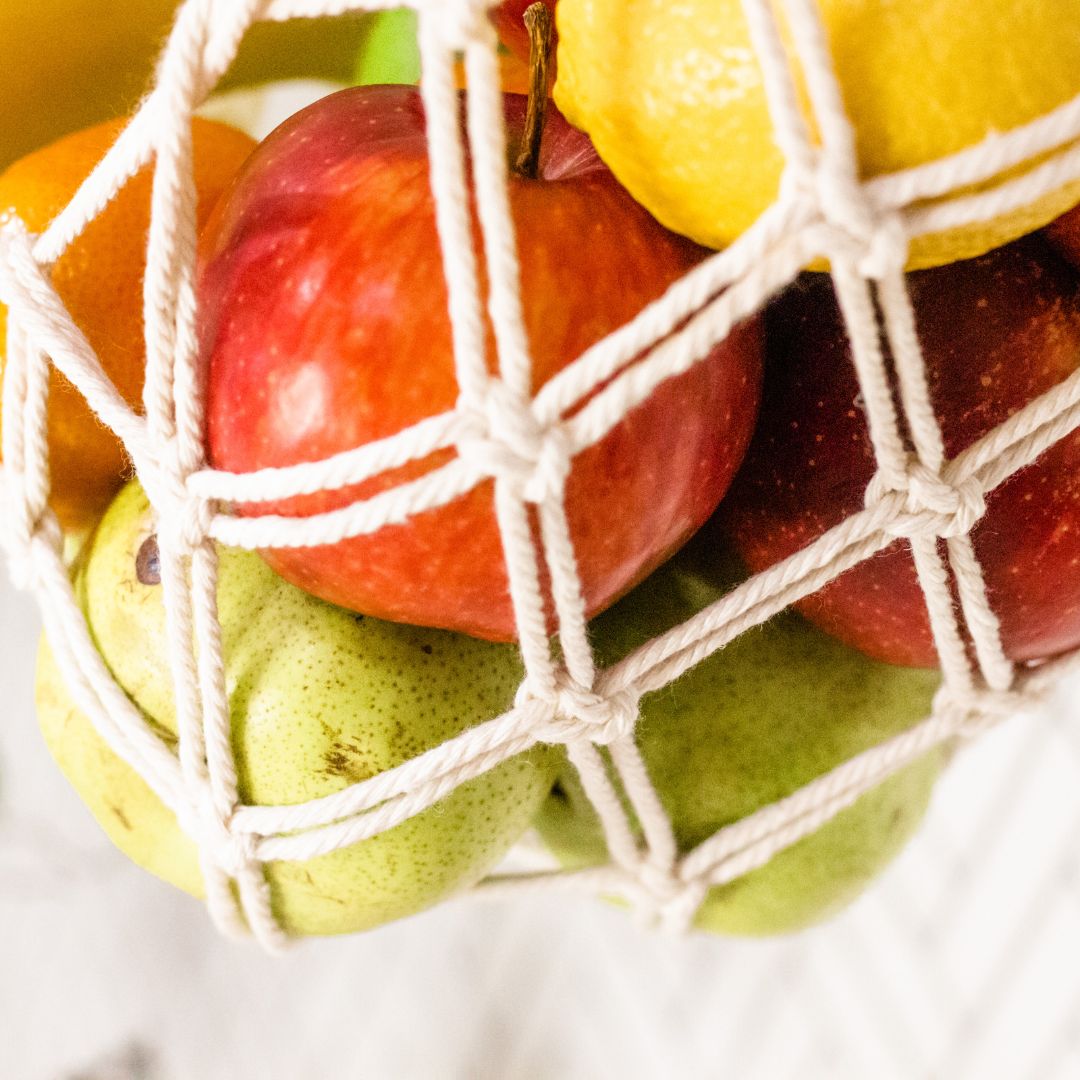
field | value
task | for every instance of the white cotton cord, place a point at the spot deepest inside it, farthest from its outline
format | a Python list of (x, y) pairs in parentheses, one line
[(18, 526), (217, 723), (566, 590), (790, 129), (856, 303), (171, 243), (658, 662), (350, 467), (256, 904), (35, 421), (998, 200), (394, 506), (831, 792), (226, 25), (132, 151), (622, 845), (691, 344), (353, 830), (997, 152), (221, 901), (979, 617), (899, 321), (453, 218), (97, 696), (500, 738), (47, 325), (1026, 434), (685, 297), (944, 622), (526, 595), (176, 590), (662, 850), (488, 144)]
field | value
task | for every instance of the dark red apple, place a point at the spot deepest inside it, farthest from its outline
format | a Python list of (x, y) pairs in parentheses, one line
[(324, 326), (509, 20), (996, 331), (1064, 233)]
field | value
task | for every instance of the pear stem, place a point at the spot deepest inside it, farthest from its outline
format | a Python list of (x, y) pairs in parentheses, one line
[(538, 23)]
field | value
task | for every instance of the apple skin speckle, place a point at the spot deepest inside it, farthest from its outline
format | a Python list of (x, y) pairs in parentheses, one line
[(996, 331)]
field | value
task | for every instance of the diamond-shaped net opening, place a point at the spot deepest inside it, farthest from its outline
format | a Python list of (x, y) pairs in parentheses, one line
[(824, 210)]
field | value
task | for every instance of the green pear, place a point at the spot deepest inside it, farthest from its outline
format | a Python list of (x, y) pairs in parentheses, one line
[(319, 699), (750, 724)]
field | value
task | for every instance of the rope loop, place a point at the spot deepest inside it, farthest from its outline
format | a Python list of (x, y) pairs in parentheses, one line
[(576, 712), (923, 503), (509, 443)]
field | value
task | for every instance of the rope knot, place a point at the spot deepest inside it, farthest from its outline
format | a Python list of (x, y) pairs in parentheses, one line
[(871, 238), (576, 712), (669, 902), (972, 712), (228, 849), (183, 519), (510, 444), (926, 504)]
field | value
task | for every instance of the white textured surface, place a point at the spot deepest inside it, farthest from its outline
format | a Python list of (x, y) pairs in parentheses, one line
[(962, 964)]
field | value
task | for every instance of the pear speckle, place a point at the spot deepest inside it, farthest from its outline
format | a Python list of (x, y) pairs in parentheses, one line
[(319, 699)]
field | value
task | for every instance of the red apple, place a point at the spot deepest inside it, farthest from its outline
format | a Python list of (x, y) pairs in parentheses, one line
[(996, 331), (324, 326), (1065, 235), (509, 20)]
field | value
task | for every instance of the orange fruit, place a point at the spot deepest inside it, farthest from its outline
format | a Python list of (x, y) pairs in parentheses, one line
[(100, 279)]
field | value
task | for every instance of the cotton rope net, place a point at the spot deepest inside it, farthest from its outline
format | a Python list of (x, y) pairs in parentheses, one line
[(525, 444)]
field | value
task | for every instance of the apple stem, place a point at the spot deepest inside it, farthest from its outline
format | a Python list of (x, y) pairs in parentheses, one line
[(538, 23)]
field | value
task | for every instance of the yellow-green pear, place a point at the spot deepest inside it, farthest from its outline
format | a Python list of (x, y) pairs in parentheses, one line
[(750, 724), (319, 698)]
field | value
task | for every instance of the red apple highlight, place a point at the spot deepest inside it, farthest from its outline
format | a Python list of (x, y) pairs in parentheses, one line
[(324, 326), (996, 331)]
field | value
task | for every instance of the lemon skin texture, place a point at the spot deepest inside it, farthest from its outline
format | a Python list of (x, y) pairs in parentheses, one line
[(319, 699), (673, 97)]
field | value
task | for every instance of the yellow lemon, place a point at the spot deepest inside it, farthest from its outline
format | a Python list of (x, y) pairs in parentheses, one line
[(674, 99), (72, 63)]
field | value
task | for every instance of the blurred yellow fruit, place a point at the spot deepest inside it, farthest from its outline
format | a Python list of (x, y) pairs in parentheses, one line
[(672, 96), (71, 63), (100, 280)]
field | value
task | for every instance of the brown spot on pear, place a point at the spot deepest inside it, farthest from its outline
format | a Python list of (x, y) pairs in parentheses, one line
[(317, 699), (750, 724)]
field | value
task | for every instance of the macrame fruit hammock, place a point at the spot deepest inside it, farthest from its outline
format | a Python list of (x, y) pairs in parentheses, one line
[(435, 386)]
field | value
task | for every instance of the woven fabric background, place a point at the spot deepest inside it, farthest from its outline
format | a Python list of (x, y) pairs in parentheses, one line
[(960, 964)]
